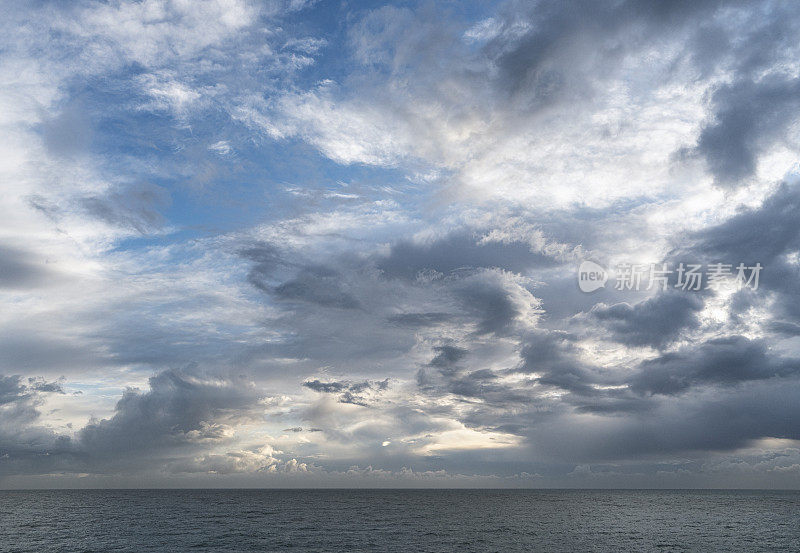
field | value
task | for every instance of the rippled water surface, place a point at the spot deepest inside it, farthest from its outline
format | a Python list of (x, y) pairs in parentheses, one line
[(408, 521)]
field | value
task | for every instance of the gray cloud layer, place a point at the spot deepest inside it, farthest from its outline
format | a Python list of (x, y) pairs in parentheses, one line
[(378, 225)]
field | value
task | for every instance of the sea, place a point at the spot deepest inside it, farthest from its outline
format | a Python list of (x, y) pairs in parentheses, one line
[(408, 521)]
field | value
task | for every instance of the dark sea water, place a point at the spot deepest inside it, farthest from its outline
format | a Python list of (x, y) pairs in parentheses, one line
[(408, 521)]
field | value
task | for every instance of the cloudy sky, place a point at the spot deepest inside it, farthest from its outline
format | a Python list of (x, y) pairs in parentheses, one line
[(295, 243)]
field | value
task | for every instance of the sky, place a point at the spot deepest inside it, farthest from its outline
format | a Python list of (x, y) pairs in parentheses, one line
[(288, 243)]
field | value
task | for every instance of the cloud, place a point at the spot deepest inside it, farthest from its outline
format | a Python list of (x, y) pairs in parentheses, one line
[(375, 213), (749, 117), (557, 362), (21, 269), (656, 322), (179, 409), (320, 286), (755, 233), (235, 462), (419, 319), (720, 361), (765, 234), (153, 32), (447, 356), (25, 439), (68, 132), (756, 52), (486, 111), (720, 422), (135, 207), (460, 251), (356, 393)]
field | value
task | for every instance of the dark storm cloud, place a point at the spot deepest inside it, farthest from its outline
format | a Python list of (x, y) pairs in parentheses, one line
[(179, 409), (25, 445), (459, 251), (480, 300), (179, 413), (16, 391), (326, 387), (42, 385), (749, 117), (717, 420), (355, 393), (443, 375), (721, 361), (758, 106), (490, 303), (12, 389), (755, 234), (656, 322), (749, 114), (477, 384), (612, 403), (535, 63), (311, 283), (447, 356), (266, 259), (484, 385), (766, 234), (764, 409), (553, 356), (447, 373), (785, 328), (320, 286)]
